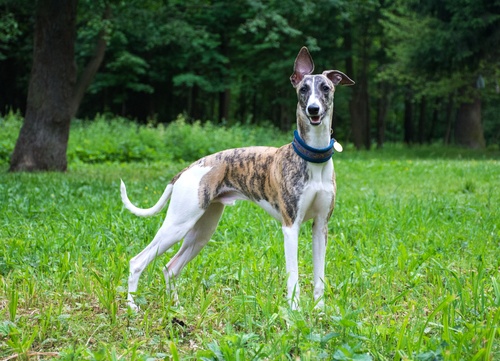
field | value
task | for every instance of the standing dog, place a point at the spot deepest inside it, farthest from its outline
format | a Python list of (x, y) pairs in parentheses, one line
[(293, 184)]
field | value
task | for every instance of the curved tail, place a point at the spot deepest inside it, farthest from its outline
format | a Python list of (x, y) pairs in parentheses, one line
[(142, 212)]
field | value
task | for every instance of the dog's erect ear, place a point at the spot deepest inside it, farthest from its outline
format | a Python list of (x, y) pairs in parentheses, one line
[(337, 77), (304, 65)]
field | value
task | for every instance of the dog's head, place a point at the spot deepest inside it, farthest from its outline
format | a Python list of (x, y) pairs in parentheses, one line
[(315, 92)]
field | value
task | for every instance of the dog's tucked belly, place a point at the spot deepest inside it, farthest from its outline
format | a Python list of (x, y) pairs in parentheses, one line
[(229, 197)]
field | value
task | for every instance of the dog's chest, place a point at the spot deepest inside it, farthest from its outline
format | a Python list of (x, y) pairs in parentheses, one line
[(321, 175), (319, 193)]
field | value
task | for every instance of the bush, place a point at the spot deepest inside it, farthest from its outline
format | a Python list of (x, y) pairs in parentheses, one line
[(10, 125), (118, 139), (121, 140), (190, 142)]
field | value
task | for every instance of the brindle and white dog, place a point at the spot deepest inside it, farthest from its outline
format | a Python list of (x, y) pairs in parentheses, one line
[(293, 184)]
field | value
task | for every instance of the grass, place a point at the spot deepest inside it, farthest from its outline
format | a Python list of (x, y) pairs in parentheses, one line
[(412, 267)]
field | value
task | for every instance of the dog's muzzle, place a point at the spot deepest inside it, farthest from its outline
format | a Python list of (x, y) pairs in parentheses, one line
[(312, 112)]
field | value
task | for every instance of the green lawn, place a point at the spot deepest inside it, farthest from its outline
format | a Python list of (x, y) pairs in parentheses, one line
[(413, 267)]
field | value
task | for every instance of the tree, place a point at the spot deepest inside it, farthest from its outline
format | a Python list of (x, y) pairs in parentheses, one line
[(16, 50), (90, 70), (222, 59), (361, 39), (468, 127), (44, 135), (54, 96), (441, 48)]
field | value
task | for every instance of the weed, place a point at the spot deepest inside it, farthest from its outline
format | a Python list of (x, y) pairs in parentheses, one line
[(20, 342), (13, 298)]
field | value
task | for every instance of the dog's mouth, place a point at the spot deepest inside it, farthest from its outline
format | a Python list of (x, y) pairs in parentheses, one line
[(315, 120)]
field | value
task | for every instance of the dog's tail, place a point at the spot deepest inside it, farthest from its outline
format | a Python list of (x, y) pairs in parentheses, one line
[(142, 212)]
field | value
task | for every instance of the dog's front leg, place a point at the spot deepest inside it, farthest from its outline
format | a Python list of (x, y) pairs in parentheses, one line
[(291, 235), (320, 237)]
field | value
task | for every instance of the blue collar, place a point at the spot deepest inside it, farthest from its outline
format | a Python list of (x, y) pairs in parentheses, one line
[(311, 154)]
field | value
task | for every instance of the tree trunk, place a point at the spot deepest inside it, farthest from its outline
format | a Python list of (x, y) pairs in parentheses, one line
[(90, 70), (195, 108), (285, 123), (43, 138), (408, 120), (421, 120), (224, 95), (360, 120), (434, 120), (468, 128), (224, 102), (355, 107), (382, 108), (449, 110), (359, 106)]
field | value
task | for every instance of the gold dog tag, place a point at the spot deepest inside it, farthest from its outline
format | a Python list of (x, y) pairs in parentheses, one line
[(338, 147)]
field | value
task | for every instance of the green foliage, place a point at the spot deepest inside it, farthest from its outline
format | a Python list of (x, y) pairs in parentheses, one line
[(126, 69), (445, 43), (191, 142), (9, 31), (214, 60), (10, 125), (120, 140)]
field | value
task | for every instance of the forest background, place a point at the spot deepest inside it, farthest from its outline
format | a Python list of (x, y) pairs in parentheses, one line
[(425, 71), (414, 242)]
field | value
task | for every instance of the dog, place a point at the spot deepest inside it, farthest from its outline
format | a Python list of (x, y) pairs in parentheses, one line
[(293, 183)]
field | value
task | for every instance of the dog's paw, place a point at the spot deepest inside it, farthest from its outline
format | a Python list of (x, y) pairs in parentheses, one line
[(320, 305), (132, 306), (294, 304)]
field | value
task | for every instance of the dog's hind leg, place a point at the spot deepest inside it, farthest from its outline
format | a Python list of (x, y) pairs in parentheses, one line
[(183, 213), (174, 228), (194, 241)]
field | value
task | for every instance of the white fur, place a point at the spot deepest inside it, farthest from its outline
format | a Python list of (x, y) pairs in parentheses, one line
[(184, 220), (270, 210), (149, 211), (314, 99)]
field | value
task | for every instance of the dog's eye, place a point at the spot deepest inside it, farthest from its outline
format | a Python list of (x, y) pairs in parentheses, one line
[(303, 89), (326, 88)]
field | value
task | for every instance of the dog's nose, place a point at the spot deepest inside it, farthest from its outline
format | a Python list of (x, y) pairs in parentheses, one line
[(313, 109)]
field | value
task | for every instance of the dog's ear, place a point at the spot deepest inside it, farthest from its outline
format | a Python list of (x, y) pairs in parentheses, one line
[(303, 65), (337, 77)]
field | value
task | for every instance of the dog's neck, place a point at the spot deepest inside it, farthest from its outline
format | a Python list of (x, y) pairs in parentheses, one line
[(309, 154), (315, 136)]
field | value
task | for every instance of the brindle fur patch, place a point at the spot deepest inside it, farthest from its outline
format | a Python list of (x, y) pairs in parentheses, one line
[(275, 175)]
